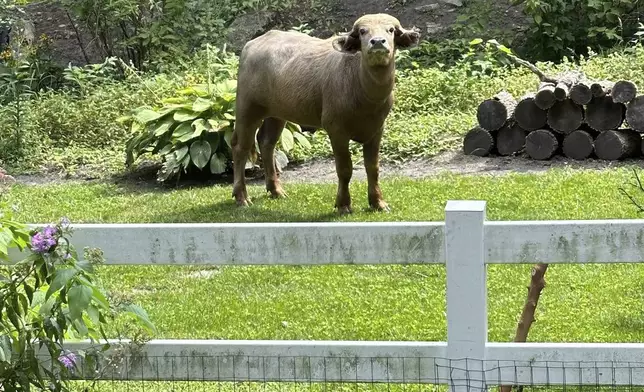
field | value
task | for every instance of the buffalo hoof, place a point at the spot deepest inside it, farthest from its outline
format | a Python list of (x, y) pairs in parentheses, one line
[(380, 206), (278, 194), (243, 202), (344, 210)]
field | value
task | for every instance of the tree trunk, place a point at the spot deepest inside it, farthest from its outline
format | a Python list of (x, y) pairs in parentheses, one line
[(618, 144), (545, 97), (580, 93), (479, 142), (537, 284), (635, 114), (624, 91), (601, 88), (542, 144), (529, 116), (602, 114), (565, 116), (493, 113), (579, 144), (511, 139)]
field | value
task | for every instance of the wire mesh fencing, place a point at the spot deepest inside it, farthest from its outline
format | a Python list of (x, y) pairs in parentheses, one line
[(349, 373)]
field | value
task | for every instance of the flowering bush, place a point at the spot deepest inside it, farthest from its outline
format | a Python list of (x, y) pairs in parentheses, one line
[(47, 298)]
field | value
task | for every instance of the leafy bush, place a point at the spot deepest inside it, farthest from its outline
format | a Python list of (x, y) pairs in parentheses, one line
[(194, 130), (17, 85), (47, 298), (569, 27), (90, 121), (152, 34), (476, 19)]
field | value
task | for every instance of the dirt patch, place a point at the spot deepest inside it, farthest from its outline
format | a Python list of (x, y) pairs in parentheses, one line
[(323, 170), (433, 17), (51, 19)]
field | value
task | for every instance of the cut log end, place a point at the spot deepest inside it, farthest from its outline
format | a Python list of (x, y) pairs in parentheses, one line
[(510, 139), (542, 144), (493, 113), (635, 114), (618, 144), (581, 94), (545, 96), (561, 91), (601, 88), (479, 142), (578, 145), (624, 91), (602, 114), (529, 116), (565, 116)]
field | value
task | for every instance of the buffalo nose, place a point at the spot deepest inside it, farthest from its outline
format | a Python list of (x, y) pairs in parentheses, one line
[(377, 41)]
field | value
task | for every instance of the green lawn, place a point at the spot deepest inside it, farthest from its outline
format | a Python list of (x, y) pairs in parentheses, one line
[(581, 303)]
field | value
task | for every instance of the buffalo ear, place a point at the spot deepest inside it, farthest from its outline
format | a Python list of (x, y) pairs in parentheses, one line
[(346, 43), (406, 38)]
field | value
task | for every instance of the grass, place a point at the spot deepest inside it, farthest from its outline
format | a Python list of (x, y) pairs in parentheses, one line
[(367, 302), (582, 303)]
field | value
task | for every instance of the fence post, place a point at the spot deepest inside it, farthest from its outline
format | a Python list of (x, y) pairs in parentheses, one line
[(466, 293)]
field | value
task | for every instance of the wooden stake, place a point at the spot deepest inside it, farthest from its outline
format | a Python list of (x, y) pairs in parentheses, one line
[(537, 283)]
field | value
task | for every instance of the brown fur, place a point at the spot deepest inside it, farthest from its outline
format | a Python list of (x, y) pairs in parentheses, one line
[(335, 84)]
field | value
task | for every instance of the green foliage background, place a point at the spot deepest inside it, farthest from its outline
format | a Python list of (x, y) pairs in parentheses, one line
[(66, 120)]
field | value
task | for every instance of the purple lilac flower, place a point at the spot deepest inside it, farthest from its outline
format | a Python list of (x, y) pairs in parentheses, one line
[(68, 360), (49, 231), (41, 242)]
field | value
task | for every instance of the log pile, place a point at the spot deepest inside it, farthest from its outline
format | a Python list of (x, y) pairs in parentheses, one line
[(568, 115)]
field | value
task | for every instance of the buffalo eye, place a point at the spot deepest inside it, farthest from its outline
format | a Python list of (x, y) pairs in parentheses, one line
[(363, 31), (391, 30)]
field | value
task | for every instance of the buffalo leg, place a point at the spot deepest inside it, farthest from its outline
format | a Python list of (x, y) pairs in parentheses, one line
[(243, 139), (370, 151), (344, 170), (269, 134)]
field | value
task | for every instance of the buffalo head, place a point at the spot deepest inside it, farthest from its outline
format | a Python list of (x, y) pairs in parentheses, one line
[(377, 36)]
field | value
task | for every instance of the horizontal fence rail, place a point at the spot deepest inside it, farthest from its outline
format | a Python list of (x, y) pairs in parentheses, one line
[(264, 243), (380, 362), (465, 242), (514, 242)]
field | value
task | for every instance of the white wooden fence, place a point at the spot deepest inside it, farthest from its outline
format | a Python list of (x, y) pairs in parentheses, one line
[(465, 242)]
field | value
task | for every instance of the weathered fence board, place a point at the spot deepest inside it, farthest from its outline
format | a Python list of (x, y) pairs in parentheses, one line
[(381, 361), (465, 242), (264, 243)]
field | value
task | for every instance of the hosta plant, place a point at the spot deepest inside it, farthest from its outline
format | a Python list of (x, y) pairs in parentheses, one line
[(193, 131)]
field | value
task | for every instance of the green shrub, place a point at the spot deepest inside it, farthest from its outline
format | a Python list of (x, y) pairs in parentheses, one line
[(47, 298), (569, 27), (194, 130), (476, 19), (152, 35)]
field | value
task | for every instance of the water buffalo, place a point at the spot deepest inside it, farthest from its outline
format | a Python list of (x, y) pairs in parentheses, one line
[(343, 84)]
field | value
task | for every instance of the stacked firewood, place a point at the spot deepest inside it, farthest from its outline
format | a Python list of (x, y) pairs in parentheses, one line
[(569, 115)]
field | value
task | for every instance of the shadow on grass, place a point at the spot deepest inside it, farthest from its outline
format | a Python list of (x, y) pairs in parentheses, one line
[(632, 322), (227, 211), (629, 324), (143, 179)]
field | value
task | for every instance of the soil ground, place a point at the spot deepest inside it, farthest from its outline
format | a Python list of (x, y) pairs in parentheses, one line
[(323, 170)]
